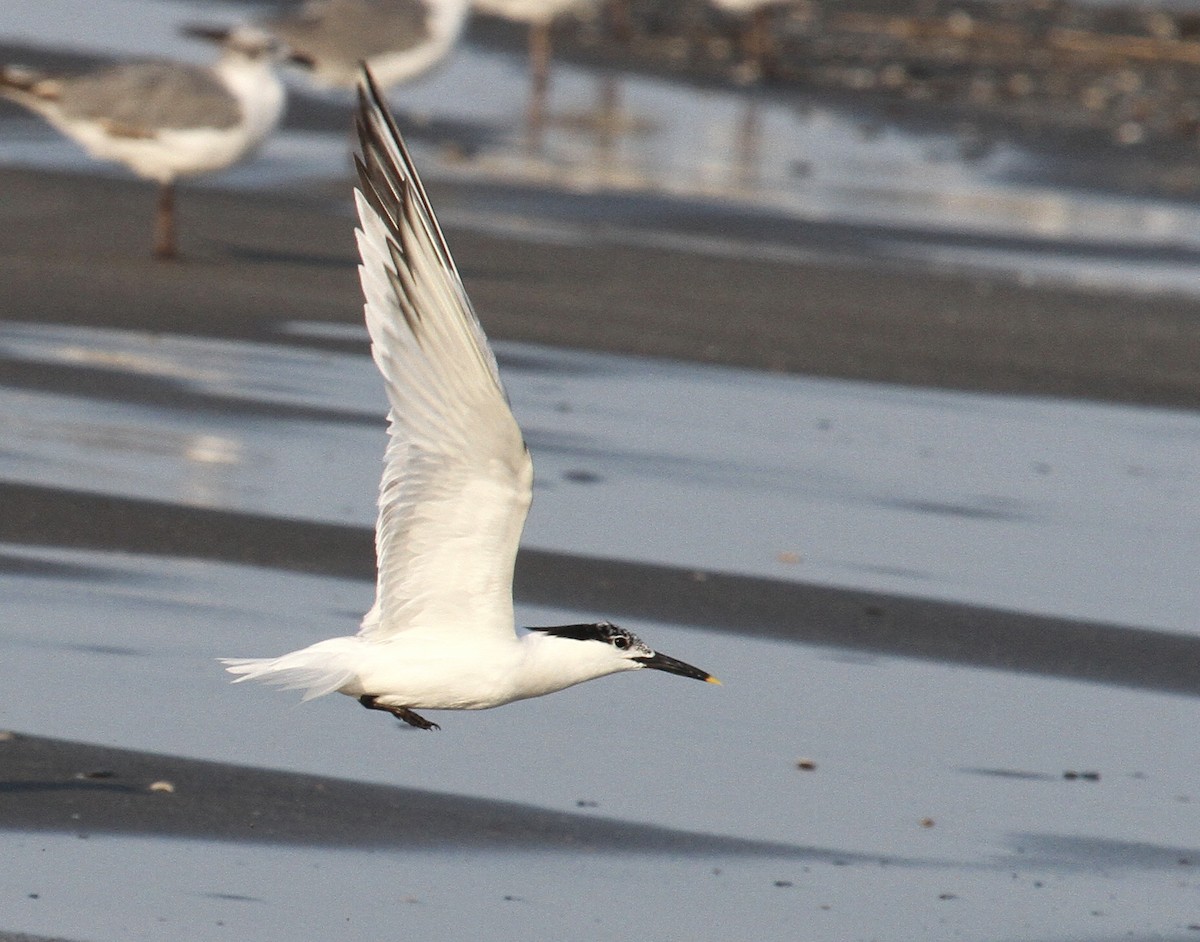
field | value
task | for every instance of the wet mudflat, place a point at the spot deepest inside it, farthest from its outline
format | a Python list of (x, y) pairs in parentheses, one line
[(853, 788), (951, 605), (1036, 742)]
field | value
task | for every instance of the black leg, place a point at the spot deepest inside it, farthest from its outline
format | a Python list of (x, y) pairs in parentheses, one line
[(371, 702)]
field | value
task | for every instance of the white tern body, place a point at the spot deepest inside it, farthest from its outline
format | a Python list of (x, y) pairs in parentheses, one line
[(456, 487)]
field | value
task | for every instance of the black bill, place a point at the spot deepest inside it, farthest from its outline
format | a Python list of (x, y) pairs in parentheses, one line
[(660, 662)]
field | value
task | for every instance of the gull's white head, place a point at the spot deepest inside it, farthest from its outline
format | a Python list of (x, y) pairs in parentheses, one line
[(243, 40), (608, 648)]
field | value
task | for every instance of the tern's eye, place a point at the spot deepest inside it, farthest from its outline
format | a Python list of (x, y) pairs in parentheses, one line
[(621, 643)]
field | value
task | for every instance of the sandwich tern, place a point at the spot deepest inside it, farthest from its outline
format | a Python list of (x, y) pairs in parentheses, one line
[(457, 484), (164, 120)]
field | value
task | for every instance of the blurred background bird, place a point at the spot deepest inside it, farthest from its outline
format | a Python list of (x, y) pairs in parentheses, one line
[(756, 40), (540, 16), (397, 39), (164, 120)]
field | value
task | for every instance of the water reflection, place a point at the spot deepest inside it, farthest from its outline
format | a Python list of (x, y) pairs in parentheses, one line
[(760, 150), (1007, 845), (747, 147), (1062, 508)]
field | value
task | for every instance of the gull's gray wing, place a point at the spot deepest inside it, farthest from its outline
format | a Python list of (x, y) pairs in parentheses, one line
[(350, 31), (147, 97)]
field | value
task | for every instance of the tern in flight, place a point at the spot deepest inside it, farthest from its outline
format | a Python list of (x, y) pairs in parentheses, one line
[(456, 487)]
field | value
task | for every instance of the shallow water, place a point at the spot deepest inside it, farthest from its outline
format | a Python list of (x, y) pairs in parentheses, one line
[(1061, 508), (203, 891), (934, 199), (938, 807)]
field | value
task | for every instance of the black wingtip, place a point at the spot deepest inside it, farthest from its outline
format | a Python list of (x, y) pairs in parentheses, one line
[(377, 128), (367, 93), (371, 86), (371, 102)]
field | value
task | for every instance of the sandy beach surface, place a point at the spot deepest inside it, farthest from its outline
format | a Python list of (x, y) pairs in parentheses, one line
[(960, 693), (71, 251)]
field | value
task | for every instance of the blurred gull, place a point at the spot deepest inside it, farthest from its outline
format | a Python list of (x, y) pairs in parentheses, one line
[(164, 120), (398, 39), (758, 46), (540, 15), (457, 483)]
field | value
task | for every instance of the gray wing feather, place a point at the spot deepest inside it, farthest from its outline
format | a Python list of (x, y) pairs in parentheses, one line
[(353, 30), (151, 96)]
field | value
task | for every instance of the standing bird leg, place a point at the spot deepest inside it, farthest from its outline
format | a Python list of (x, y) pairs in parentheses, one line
[(539, 73), (758, 45), (620, 23), (164, 229)]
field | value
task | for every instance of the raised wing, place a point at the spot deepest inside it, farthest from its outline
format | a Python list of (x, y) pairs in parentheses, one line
[(457, 480)]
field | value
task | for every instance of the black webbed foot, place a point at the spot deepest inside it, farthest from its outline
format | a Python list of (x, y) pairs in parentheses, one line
[(371, 702), (412, 719)]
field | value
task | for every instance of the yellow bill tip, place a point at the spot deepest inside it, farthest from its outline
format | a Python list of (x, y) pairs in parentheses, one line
[(710, 679)]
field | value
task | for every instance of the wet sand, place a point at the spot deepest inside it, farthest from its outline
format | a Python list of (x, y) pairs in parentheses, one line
[(24, 937), (73, 249), (853, 620), (54, 785)]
